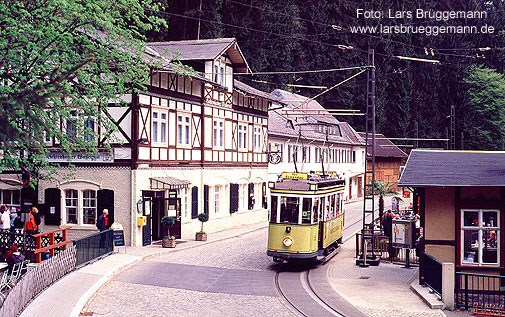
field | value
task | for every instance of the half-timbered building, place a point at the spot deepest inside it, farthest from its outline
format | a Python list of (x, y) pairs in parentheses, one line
[(304, 137), (190, 143)]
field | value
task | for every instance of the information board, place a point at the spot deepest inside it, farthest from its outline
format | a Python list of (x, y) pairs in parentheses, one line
[(118, 236)]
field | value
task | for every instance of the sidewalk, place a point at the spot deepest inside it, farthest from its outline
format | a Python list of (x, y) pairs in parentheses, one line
[(68, 296)]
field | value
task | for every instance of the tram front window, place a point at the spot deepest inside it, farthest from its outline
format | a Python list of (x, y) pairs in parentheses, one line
[(289, 209)]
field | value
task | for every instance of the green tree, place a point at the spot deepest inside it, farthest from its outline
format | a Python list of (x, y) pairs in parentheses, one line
[(62, 63), (383, 189), (484, 117)]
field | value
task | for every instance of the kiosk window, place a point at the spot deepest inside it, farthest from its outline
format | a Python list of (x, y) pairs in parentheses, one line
[(480, 237), (289, 209), (273, 209), (306, 210)]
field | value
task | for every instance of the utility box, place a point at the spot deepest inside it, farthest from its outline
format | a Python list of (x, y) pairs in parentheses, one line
[(141, 221), (403, 233)]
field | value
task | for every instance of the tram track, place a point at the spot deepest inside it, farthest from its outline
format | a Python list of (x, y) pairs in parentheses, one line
[(308, 302)]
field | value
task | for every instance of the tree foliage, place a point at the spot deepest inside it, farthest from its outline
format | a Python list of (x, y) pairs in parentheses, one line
[(297, 35), (62, 63), (484, 119)]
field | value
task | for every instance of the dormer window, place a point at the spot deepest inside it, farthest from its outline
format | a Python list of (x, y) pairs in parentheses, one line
[(289, 124)]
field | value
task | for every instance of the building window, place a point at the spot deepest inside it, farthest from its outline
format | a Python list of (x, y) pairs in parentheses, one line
[(163, 131), (318, 155), (183, 129), (89, 129), (80, 206), (184, 194), (71, 199), (72, 125), (215, 72), (155, 127), (480, 237), (257, 138), (221, 76), (354, 156), (242, 137), (295, 153), (217, 197), (290, 158), (88, 207), (218, 133), (10, 198), (306, 154)]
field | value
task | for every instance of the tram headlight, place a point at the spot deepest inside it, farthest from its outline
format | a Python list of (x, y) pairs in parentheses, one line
[(287, 242)]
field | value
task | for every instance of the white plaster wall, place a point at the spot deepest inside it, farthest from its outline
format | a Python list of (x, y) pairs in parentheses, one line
[(199, 177)]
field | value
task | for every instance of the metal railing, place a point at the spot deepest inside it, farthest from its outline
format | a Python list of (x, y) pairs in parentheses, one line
[(431, 274), (479, 290), (94, 246), (396, 256)]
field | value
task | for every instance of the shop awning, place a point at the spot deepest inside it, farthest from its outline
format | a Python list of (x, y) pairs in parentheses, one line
[(168, 183)]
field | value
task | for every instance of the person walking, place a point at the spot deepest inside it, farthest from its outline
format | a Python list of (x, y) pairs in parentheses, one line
[(5, 220), (102, 222)]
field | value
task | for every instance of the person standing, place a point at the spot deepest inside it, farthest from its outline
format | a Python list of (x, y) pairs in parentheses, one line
[(102, 222), (5, 220), (31, 226)]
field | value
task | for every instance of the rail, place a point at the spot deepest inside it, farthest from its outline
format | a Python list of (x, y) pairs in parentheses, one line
[(52, 245), (396, 256), (479, 290), (93, 247), (432, 273)]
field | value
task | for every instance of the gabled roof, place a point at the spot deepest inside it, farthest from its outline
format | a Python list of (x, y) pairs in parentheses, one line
[(250, 90), (306, 124), (384, 147), (454, 168), (203, 50)]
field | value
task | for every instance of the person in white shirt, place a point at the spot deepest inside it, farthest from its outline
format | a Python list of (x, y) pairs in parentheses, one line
[(5, 219)]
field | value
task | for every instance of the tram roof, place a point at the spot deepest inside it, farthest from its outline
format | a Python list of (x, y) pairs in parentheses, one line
[(305, 184)]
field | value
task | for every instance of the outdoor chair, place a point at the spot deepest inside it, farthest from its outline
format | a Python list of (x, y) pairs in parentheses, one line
[(4, 281), (17, 271)]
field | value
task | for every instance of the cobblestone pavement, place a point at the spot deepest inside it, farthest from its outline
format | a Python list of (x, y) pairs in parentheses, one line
[(234, 262)]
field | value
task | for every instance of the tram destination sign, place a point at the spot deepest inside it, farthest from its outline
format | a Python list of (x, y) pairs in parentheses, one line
[(286, 175)]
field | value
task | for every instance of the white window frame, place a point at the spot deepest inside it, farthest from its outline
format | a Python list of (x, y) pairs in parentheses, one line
[(160, 125), (242, 136), (218, 199), (257, 138), (183, 129), (218, 133), (480, 228), (243, 196), (80, 206), (11, 203)]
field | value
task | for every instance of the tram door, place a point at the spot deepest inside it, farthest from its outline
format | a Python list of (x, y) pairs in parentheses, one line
[(322, 217)]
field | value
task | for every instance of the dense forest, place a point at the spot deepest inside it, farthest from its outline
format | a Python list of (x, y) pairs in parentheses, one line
[(413, 98)]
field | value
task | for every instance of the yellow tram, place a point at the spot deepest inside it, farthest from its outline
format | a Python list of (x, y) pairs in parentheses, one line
[(306, 215)]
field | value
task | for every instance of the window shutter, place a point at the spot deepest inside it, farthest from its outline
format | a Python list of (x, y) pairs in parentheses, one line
[(194, 202), (264, 195), (233, 198), (206, 199), (105, 200), (251, 196), (28, 198), (52, 199)]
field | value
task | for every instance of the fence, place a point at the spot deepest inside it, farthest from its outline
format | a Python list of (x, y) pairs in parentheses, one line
[(26, 244), (94, 246), (53, 244), (479, 290), (397, 256), (37, 279), (431, 274)]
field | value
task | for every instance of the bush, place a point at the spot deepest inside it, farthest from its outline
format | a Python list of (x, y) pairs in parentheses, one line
[(203, 217)]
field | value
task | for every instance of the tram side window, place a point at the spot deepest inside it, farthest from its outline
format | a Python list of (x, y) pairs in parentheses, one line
[(337, 205), (289, 209), (307, 210), (273, 209)]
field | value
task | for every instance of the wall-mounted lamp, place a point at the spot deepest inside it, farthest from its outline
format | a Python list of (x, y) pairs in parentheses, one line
[(142, 141)]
